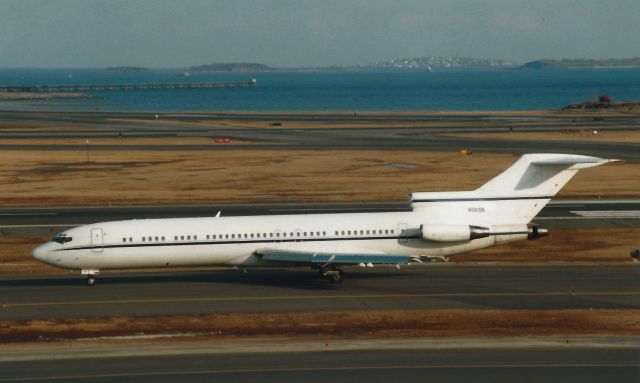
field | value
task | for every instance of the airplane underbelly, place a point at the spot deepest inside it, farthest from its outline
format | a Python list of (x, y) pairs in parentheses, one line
[(169, 256)]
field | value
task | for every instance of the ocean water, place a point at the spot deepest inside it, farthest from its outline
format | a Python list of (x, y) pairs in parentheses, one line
[(461, 90)]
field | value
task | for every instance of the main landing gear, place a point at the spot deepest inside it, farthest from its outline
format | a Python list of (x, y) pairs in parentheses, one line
[(335, 275), (91, 276)]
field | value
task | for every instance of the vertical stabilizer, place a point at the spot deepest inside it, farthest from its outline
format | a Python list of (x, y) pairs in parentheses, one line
[(514, 196)]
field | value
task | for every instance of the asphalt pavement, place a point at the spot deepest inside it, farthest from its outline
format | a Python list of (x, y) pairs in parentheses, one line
[(431, 286), (377, 135), (331, 360)]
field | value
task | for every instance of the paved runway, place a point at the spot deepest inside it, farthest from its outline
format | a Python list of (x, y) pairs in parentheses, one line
[(302, 140), (51, 220), (509, 362), (298, 290), (376, 137)]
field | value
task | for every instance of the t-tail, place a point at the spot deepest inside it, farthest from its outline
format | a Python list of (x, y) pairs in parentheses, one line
[(504, 206)]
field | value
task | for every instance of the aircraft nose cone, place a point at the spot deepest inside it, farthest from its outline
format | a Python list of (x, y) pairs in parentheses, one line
[(40, 253)]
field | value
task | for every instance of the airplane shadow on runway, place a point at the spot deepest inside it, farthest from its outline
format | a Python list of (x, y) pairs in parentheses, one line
[(289, 278)]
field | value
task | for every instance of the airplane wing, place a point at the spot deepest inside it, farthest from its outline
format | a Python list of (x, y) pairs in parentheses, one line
[(312, 258)]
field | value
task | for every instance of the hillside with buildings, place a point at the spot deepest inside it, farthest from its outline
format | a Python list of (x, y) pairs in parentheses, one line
[(433, 62), (582, 63)]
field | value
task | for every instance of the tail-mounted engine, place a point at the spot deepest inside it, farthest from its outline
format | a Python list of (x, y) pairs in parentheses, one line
[(533, 231), (453, 233)]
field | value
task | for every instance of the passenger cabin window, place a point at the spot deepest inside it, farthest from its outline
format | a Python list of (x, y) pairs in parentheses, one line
[(124, 240)]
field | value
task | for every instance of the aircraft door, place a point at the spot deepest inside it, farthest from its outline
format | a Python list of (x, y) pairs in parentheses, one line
[(96, 240), (402, 233)]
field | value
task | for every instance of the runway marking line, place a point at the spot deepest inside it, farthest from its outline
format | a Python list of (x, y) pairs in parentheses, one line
[(607, 213), (299, 297), (24, 214), (48, 225), (320, 369)]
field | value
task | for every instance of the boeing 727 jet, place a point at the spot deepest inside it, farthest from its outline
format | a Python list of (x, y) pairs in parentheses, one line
[(439, 224)]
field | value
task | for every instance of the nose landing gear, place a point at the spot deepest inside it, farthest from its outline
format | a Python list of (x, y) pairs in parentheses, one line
[(91, 276)]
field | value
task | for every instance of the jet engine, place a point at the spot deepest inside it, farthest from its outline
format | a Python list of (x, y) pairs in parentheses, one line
[(453, 233)]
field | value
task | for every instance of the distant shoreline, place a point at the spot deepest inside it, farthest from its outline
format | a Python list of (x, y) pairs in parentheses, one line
[(391, 114), (25, 96)]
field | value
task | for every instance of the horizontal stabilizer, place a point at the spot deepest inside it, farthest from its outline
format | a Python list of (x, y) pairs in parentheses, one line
[(593, 161)]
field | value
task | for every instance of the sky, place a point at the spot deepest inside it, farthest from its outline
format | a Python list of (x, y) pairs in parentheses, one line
[(306, 33)]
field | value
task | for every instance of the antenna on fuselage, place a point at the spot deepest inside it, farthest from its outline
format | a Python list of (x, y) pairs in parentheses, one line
[(219, 213)]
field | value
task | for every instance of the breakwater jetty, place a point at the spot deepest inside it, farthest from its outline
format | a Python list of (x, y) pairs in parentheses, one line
[(109, 87)]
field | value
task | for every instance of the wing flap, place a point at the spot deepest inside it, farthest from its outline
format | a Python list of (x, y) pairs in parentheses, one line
[(332, 258)]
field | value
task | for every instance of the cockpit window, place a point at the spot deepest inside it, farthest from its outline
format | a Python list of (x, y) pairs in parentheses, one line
[(62, 238)]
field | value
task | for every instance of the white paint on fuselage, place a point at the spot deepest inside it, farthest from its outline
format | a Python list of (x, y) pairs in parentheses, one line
[(238, 238)]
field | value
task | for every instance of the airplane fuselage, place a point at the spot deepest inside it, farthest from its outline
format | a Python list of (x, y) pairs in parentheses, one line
[(234, 241)]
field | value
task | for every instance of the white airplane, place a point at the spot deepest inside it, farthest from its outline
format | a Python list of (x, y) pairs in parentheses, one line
[(440, 224)]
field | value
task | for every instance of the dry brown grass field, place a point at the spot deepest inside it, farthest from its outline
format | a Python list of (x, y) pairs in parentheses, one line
[(36, 178), (438, 323)]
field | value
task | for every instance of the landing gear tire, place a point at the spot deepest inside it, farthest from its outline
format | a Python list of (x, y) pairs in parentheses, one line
[(337, 277), (91, 281), (331, 273)]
